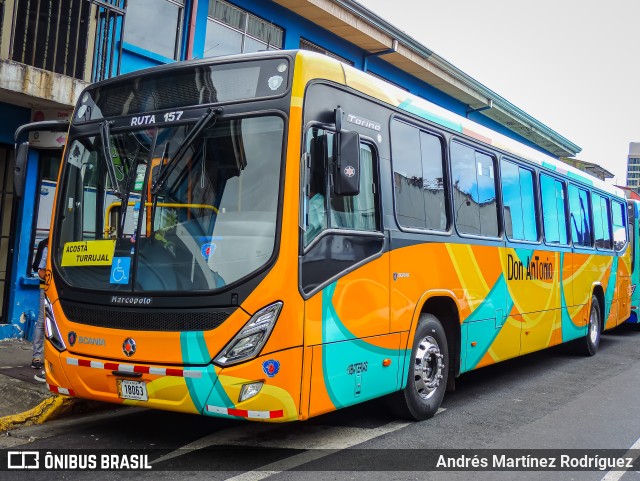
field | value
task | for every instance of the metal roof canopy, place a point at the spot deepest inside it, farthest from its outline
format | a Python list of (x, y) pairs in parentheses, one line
[(363, 28)]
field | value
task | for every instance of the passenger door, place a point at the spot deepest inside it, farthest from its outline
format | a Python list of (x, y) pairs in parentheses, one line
[(346, 276)]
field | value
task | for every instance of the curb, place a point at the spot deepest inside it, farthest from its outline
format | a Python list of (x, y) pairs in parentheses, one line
[(49, 409)]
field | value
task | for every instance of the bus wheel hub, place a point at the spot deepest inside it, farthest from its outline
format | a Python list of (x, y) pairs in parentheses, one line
[(428, 367)]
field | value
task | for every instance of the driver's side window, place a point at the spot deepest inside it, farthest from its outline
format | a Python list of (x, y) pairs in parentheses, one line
[(324, 209)]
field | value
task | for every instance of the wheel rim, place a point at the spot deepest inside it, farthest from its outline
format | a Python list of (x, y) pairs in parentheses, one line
[(428, 367), (594, 327)]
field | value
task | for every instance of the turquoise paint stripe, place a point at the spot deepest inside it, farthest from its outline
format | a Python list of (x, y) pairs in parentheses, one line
[(498, 298), (328, 322), (425, 114), (569, 330), (584, 180), (340, 348), (495, 299), (194, 351), (571, 175), (549, 166)]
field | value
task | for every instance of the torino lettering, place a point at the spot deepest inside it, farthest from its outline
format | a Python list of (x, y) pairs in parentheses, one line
[(532, 269)]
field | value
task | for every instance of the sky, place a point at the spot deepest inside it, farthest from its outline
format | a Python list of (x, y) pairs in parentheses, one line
[(573, 65)]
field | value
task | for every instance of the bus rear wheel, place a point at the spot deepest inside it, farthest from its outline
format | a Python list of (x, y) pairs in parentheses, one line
[(427, 374), (588, 345)]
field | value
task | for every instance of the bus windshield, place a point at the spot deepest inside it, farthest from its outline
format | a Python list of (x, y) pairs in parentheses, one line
[(208, 224)]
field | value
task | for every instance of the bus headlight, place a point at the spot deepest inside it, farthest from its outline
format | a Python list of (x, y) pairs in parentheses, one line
[(251, 338), (51, 330)]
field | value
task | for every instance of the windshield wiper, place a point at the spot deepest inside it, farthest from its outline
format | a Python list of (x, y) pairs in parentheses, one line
[(183, 147), (105, 136)]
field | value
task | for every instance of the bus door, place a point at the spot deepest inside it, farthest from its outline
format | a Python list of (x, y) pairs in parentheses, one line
[(345, 273)]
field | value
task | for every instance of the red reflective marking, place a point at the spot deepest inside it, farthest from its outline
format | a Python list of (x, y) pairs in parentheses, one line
[(243, 413), (144, 369), (175, 372), (111, 366), (276, 414), (84, 362)]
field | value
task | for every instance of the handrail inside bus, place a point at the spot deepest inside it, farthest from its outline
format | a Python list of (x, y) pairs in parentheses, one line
[(107, 227)]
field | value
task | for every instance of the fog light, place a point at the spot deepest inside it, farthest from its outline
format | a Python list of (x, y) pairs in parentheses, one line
[(250, 390)]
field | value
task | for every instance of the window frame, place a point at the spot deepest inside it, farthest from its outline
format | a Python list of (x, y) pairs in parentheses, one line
[(537, 208), (589, 193), (445, 173), (565, 187), (180, 30), (497, 181), (625, 225), (609, 220)]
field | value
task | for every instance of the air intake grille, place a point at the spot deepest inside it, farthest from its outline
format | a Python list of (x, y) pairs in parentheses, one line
[(146, 319)]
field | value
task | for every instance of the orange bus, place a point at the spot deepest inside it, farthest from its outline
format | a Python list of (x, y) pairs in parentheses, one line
[(278, 235)]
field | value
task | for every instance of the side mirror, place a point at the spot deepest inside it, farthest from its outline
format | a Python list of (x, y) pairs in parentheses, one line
[(20, 170), (346, 175)]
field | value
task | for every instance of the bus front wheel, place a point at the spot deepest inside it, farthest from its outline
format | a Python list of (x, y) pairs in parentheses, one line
[(427, 374)]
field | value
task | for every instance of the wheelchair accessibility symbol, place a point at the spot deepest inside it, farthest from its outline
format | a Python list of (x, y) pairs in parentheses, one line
[(120, 270)]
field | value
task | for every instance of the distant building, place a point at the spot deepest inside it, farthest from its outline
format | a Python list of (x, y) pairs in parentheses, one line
[(633, 166), (588, 167)]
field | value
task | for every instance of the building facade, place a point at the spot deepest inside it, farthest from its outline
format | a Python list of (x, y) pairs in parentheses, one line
[(633, 167), (51, 49)]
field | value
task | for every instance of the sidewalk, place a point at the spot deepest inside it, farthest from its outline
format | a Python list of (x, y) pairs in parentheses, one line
[(23, 400)]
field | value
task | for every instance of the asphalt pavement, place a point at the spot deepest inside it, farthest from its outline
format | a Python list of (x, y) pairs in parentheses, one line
[(25, 401)]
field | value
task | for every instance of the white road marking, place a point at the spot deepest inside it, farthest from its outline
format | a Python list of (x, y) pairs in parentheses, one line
[(318, 441), (327, 439), (616, 475)]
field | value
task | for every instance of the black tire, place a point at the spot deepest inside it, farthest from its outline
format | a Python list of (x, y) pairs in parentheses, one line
[(427, 374), (588, 345)]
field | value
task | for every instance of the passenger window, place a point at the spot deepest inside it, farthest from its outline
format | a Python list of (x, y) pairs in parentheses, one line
[(519, 202), (553, 210), (601, 227), (474, 191), (418, 178), (619, 230), (579, 217)]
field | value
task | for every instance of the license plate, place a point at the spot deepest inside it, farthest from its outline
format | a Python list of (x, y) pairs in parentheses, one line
[(132, 390)]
